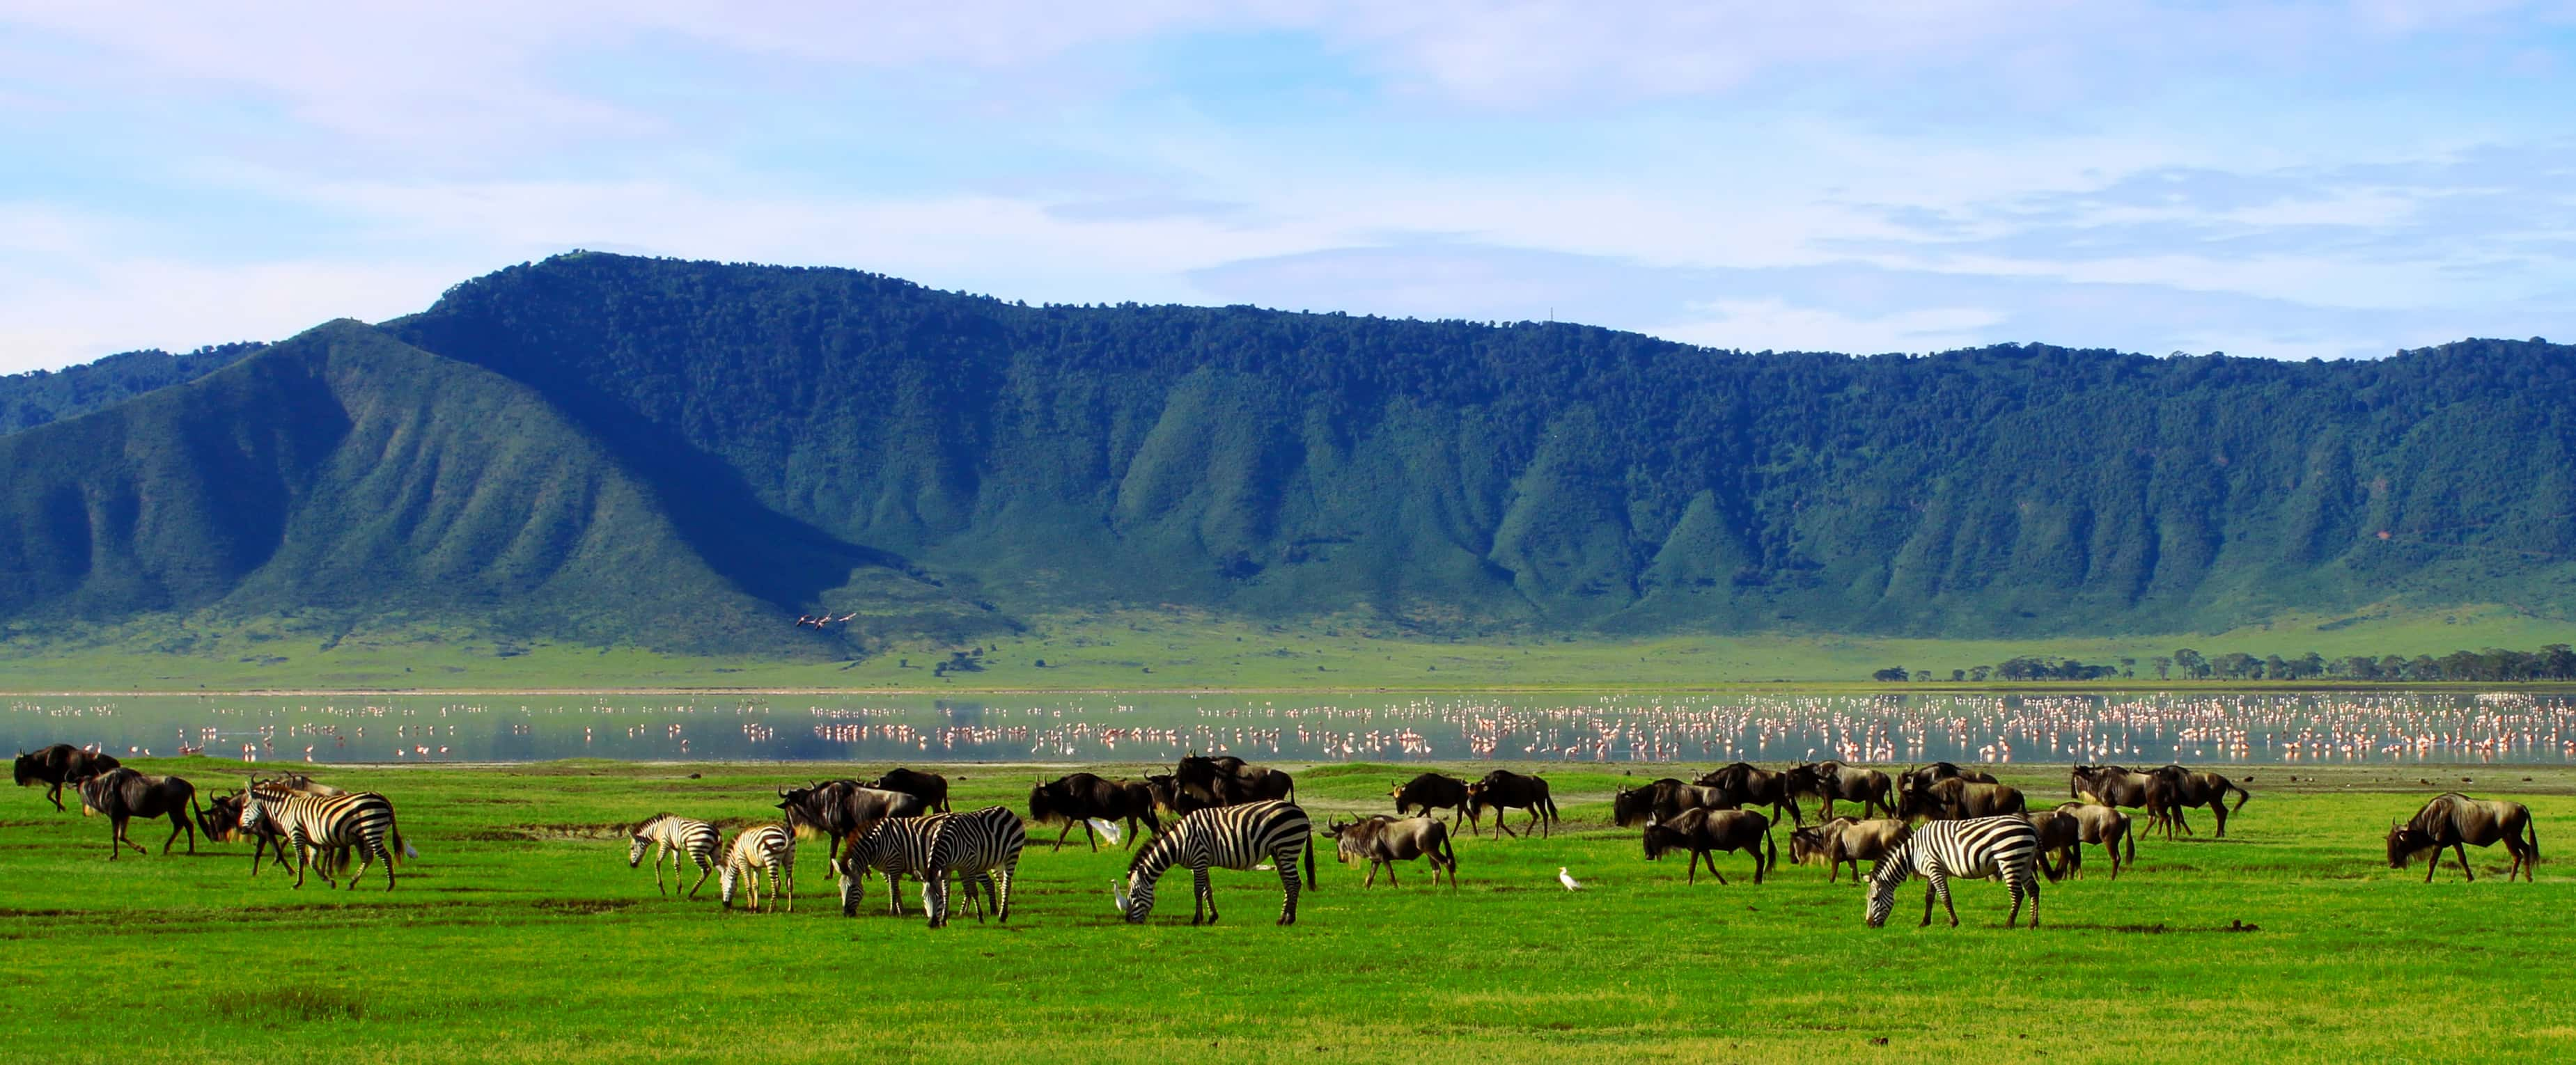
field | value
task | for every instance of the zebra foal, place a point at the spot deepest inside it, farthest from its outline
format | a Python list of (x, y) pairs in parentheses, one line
[(759, 848), (1234, 837), (670, 835), (1997, 848)]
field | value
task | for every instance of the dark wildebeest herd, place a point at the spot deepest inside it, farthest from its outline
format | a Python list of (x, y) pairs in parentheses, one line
[(1220, 811)]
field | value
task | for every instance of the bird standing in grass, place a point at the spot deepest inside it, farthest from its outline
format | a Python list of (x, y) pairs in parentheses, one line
[(1567, 879)]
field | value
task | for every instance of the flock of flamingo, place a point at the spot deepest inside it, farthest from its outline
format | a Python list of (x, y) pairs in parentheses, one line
[(2145, 726)]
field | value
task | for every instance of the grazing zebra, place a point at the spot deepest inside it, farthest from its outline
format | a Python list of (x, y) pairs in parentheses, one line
[(982, 847), (363, 821), (2005, 848), (1235, 837), (761, 847), (672, 835), (895, 846)]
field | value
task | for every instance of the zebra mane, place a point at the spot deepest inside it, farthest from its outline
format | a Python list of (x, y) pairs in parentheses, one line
[(1162, 841), (648, 822)]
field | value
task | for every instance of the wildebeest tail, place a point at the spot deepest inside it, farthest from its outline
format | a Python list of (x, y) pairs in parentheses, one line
[(2531, 828), (2241, 795), (1310, 860), (2129, 839), (1771, 845)]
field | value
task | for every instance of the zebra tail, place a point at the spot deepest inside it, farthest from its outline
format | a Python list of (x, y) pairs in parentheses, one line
[(1310, 863)]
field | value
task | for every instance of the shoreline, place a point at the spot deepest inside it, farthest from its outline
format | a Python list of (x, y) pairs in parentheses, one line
[(1835, 686)]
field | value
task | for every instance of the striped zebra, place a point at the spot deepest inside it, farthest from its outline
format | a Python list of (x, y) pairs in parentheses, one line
[(895, 846), (1235, 837), (360, 821), (670, 835), (761, 847), (979, 848), (1986, 848)]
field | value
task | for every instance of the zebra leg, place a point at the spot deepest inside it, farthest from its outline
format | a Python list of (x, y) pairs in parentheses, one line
[(1002, 906), (303, 857), (894, 892), (366, 861), (663, 850), (1927, 903), (776, 893), (388, 848), (705, 868), (1941, 885), (1286, 860), (1202, 898)]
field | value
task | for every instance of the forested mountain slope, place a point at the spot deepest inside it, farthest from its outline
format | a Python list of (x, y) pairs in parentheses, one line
[(683, 455)]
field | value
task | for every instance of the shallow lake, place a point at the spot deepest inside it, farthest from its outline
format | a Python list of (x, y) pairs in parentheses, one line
[(2341, 727)]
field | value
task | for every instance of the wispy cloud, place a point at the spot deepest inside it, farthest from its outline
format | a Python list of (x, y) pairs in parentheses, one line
[(2288, 178)]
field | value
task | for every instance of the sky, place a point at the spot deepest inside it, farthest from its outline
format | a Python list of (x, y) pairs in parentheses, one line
[(2292, 180)]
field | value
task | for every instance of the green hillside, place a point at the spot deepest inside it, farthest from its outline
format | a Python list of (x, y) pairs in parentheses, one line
[(675, 458)]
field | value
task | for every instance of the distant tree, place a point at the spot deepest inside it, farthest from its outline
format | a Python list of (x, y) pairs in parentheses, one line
[(2164, 665), (1978, 674), (1958, 675), (1891, 673)]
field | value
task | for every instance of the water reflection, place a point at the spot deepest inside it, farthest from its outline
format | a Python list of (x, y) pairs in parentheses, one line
[(2133, 727)]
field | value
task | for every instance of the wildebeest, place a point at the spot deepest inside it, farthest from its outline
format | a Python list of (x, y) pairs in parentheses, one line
[(930, 788), (1919, 777), (1433, 791), (2060, 834), (123, 794), (1829, 781), (1704, 832), (1959, 799), (2457, 821), (303, 784), (1742, 784), (61, 764), (1382, 840), (2109, 785), (1505, 790), (2165, 807), (1200, 782), (2100, 825), (1077, 798), (1662, 800), (837, 808), (2200, 787), (1845, 840)]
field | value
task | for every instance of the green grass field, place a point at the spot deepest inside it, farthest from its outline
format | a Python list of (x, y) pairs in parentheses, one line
[(520, 935), (1178, 649)]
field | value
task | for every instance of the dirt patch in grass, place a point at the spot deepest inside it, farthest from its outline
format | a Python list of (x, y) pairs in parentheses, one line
[(583, 905), (301, 1004)]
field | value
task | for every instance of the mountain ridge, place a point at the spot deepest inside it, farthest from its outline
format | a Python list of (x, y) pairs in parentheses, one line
[(950, 465)]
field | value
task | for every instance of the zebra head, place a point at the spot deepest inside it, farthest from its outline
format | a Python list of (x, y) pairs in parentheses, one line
[(724, 884), (254, 809), (1890, 871), (854, 884), (1136, 899), (635, 850)]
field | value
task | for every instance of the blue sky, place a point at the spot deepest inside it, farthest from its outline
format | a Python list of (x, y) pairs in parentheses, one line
[(2290, 179)]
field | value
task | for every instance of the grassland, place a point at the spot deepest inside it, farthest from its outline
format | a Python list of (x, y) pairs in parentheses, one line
[(521, 936), (1134, 650)]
